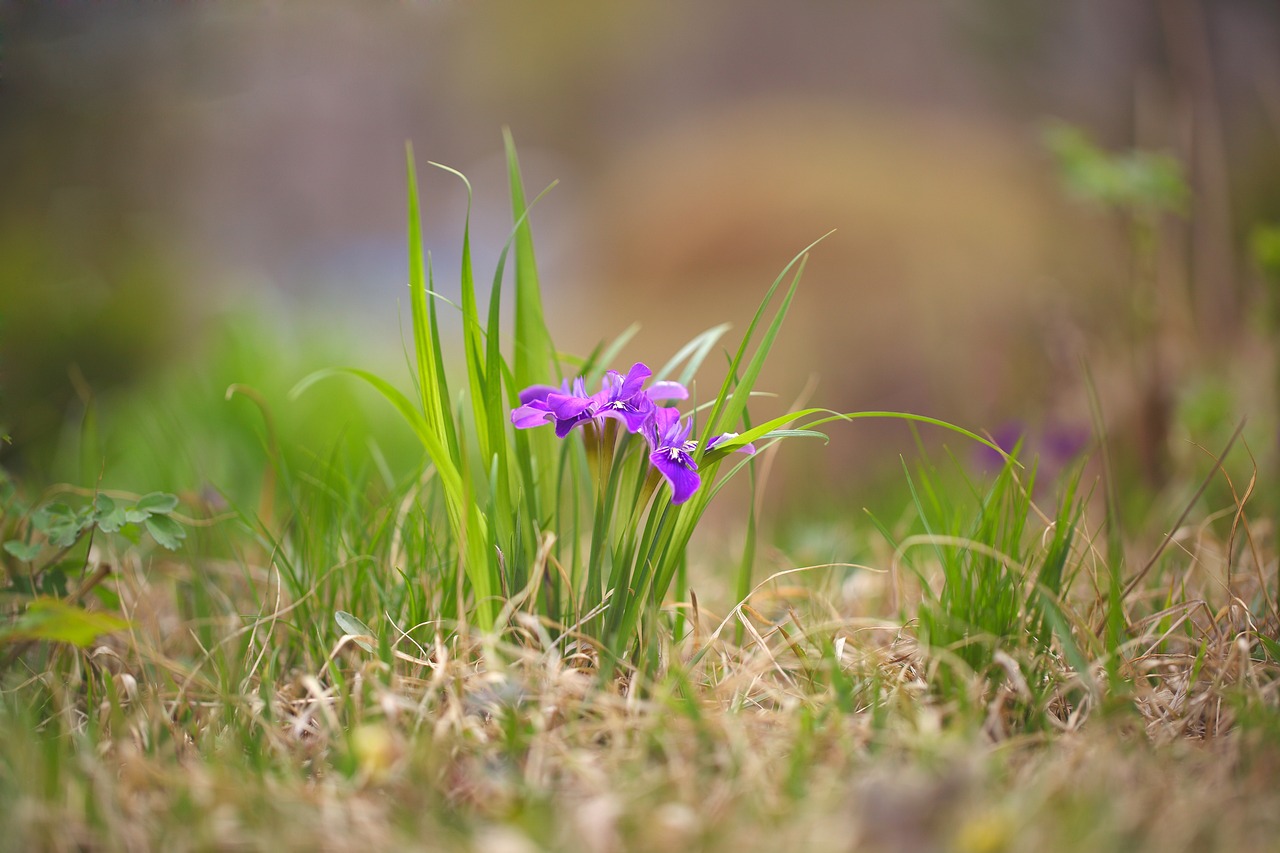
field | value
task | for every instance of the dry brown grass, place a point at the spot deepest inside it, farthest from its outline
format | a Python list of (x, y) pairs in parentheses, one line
[(824, 728)]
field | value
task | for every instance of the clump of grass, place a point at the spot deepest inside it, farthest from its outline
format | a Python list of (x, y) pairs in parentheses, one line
[(997, 614), (576, 533), (420, 658), (258, 726)]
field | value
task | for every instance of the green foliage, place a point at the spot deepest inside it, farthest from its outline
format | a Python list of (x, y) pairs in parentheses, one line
[(492, 579), (576, 532), (61, 526), (353, 626), (1136, 182), (60, 622), (1264, 244), (999, 604), (40, 541)]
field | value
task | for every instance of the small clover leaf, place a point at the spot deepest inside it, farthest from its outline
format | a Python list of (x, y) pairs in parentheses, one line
[(157, 503), (64, 525), (167, 532), (41, 519), (24, 551), (108, 515), (353, 626), (112, 521)]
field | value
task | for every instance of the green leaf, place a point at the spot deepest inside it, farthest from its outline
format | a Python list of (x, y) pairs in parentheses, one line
[(112, 521), (22, 584), (1271, 646), (352, 625), (59, 622), (54, 582), (24, 551), (44, 517), (1264, 245), (157, 503), (108, 596), (64, 525), (167, 532)]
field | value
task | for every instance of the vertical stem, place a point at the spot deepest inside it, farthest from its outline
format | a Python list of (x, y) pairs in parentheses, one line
[(1187, 39), (1148, 368)]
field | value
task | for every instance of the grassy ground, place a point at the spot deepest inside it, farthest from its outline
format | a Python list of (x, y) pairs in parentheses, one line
[(343, 647), (926, 699)]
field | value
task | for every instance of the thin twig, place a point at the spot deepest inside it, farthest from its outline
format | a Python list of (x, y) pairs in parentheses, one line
[(1204, 484)]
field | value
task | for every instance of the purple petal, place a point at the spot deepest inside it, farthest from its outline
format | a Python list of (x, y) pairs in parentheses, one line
[(650, 432), (634, 421), (601, 398), (567, 407), (538, 392), (679, 433), (663, 419), (565, 425), (748, 448), (1006, 437), (636, 376), (531, 415), (1064, 443), (683, 481), (667, 390)]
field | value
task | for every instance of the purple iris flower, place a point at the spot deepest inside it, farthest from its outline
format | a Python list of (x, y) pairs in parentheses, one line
[(1056, 445), (533, 409), (567, 406), (673, 451), (621, 398)]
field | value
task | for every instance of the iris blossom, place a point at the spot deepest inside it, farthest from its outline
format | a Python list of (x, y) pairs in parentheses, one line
[(673, 451), (622, 398), (626, 400)]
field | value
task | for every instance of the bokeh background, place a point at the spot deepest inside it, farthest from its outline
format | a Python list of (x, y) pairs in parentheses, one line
[(168, 170)]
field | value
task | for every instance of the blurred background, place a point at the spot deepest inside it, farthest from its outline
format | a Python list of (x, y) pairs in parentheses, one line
[(191, 189)]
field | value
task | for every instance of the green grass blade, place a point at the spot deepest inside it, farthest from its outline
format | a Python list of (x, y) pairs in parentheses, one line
[(764, 430), (692, 355), (600, 360), (737, 404), (433, 408), (722, 398), (473, 332), (441, 395), (534, 359)]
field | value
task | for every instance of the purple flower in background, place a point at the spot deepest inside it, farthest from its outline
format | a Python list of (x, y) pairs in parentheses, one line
[(1007, 437), (673, 451), (621, 398), (1055, 444), (1064, 442)]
